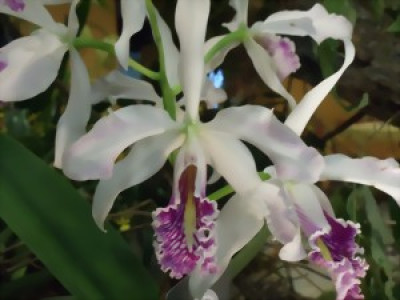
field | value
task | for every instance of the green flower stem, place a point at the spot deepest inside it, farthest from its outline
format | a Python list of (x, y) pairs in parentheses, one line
[(234, 37), (81, 43), (169, 100), (226, 190), (246, 255)]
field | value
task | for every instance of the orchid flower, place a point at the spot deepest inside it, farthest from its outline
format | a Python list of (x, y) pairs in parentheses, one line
[(133, 16), (291, 206), (302, 206), (274, 57), (30, 64), (185, 229)]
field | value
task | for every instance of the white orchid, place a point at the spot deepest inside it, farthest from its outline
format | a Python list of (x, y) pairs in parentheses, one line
[(274, 57), (30, 64), (185, 238), (292, 205)]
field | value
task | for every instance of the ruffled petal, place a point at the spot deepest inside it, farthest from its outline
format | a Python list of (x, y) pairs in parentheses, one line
[(316, 23), (29, 10), (30, 65), (283, 53), (185, 229), (191, 23), (72, 124), (93, 155), (116, 85), (266, 68), (241, 8), (292, 158), (299, 117), (337, 252), (14, 5), (144, 159), (381, 174), (239, 221), (231, 158), (133, 16)]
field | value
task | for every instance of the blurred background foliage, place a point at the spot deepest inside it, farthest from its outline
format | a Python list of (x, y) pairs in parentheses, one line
[(361, 117)]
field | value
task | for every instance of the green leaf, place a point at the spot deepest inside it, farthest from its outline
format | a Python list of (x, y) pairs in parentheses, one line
[(395, 27), (47, 214), (381, 237), (378, 6), (342, 7)]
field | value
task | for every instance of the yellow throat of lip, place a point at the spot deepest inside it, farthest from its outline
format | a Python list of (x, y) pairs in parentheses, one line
[(326, 254), (189, 217)]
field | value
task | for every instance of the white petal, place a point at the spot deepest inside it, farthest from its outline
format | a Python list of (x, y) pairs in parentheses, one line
[(191, 23), (116, 85), (307, 201), (219, 58), (293, 250), (93, 155), (316, 23), (193, 154), (231, 158), (238, 222), (241, 8), (32, 65), (323, 201), (34, 12), (299, 117), (72, 124), (144, 159), (381, 174), (265, 67), (171, 53), (133, 15), (279, 215), (73, 21), (293, 159)]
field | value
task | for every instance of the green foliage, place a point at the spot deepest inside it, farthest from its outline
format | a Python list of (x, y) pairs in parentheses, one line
[(378, 7), (47, 214), (342, 7), (395, 27)]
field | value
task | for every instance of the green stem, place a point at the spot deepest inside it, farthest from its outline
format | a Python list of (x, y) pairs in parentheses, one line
[(236, 36), (169, 100), (226, 190), (246, 255), (81, 43)]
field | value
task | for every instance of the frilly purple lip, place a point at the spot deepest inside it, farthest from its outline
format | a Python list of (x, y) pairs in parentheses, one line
[(183, 244), (338, 253)]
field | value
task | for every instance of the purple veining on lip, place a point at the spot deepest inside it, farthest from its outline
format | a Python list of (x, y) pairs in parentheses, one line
[(15, 5), (173, 251), (344, 264), (283, 53)]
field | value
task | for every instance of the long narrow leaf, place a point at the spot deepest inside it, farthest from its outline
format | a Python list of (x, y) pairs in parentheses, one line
[(47, 213)]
